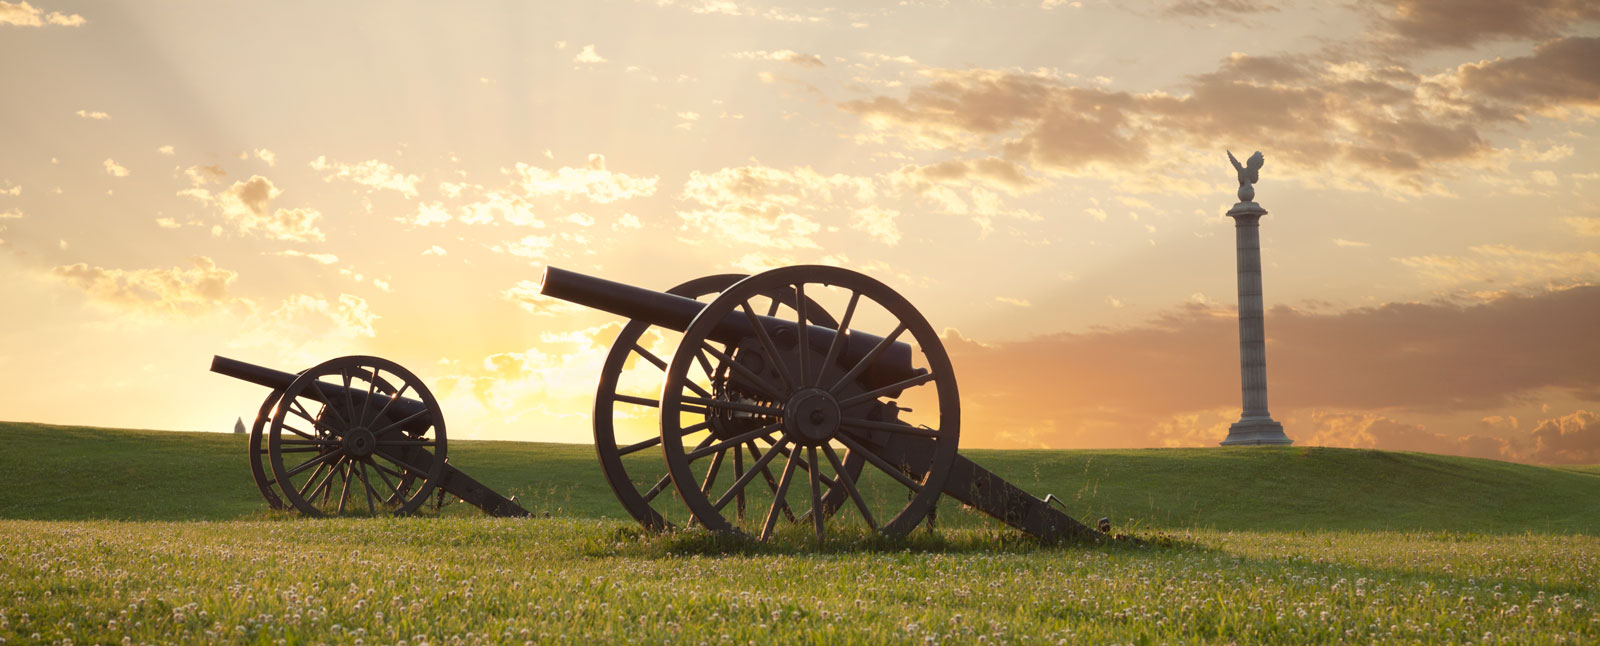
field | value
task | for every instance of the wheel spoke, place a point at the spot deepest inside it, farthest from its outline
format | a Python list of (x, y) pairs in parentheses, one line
[(344, 492), (816, 489), (738, 406), (874, 394), (640, 401), (767, 477), (804, 330), (888, 427), (838, 337), (322, 486), (850, 487), (739, 485), (310, 479), (327, 402), (400, 423), (396, 397), (771, 350), (658, 488), (711, 472), (650, 356), (372, 391), (418, 442), (778, 497), (867, 360), (297, 431), (893, 471), (421, 473), (738, 472), (309, 442), (349, 400), (393, 488), (756, 380), (313, 461), (372, 507), (739, 439), (300, 409)]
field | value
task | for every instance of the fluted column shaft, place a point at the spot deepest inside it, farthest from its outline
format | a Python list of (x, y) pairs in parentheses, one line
[(1255, 425)]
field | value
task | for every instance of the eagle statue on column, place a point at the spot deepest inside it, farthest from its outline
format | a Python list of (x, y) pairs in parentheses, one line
[(1249, 173)]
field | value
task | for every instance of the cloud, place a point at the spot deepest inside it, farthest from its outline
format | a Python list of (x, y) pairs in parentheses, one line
[(319, 258), (246, 205), (782, 55), (434, 250), (1341, 242), (114, 169), (592, 182), (303, 316), (588, 55), (172, 290), (167, 150), (1332, 121), (271, 158), (878, 223), (525, 294), (372, 173), (1572, 439), (202, 175), (11, 214), (1505, 266), (95, 115), (770, 207), (1560, 73), (1415, 25), (22, 14), (1109, 387), (1588, 227), (1215, 8)]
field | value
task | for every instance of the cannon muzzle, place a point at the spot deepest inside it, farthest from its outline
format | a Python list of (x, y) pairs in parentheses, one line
[(676, 313)]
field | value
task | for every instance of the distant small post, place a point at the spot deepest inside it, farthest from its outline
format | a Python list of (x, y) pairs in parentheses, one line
[(1255, 425)]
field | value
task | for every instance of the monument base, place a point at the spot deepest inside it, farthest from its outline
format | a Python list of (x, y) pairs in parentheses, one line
[(1256, 430)]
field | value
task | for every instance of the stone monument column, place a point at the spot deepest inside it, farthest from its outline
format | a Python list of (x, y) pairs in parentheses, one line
[(1255, 425)]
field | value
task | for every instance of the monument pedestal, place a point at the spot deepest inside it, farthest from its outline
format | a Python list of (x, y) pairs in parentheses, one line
[(1259, 430)]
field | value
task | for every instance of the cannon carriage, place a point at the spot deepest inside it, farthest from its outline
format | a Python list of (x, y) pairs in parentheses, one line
[(811, 396), (781, 366), (354, 435)]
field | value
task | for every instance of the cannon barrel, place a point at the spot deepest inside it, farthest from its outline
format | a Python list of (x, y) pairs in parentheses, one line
[(676, 313), (279, 380)]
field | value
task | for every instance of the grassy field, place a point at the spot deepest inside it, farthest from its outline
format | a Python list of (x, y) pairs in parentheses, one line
[(133, 536)]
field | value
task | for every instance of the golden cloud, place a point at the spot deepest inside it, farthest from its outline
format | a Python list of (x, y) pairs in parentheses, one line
[(22, 14), (372, 173), (172, 290)]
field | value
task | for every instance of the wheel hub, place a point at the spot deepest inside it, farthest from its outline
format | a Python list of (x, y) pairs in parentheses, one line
[(811, 416), (359, 442)]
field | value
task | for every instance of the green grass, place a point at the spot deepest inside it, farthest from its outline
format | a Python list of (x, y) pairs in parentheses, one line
[(575, 581), (113, 536), (81, 473)]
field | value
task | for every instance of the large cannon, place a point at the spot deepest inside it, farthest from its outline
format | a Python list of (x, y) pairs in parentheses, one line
[(764, 371), (353, 435)]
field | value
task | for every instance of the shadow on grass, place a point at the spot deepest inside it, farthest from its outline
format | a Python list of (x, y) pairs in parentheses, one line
[(637, 542)]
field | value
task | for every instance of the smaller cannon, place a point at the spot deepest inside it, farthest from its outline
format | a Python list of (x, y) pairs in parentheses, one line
[(765, 371), (353, 435)]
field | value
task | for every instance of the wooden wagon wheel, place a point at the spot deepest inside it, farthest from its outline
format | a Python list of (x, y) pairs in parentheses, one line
[(816, 400), (345, 440), (637, 490), (260, 469), (261, 466)]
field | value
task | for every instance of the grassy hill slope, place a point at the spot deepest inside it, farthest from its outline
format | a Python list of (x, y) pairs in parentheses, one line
[(71, 473)]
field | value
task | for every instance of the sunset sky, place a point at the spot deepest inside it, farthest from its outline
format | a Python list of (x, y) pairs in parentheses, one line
[(289, 182)]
